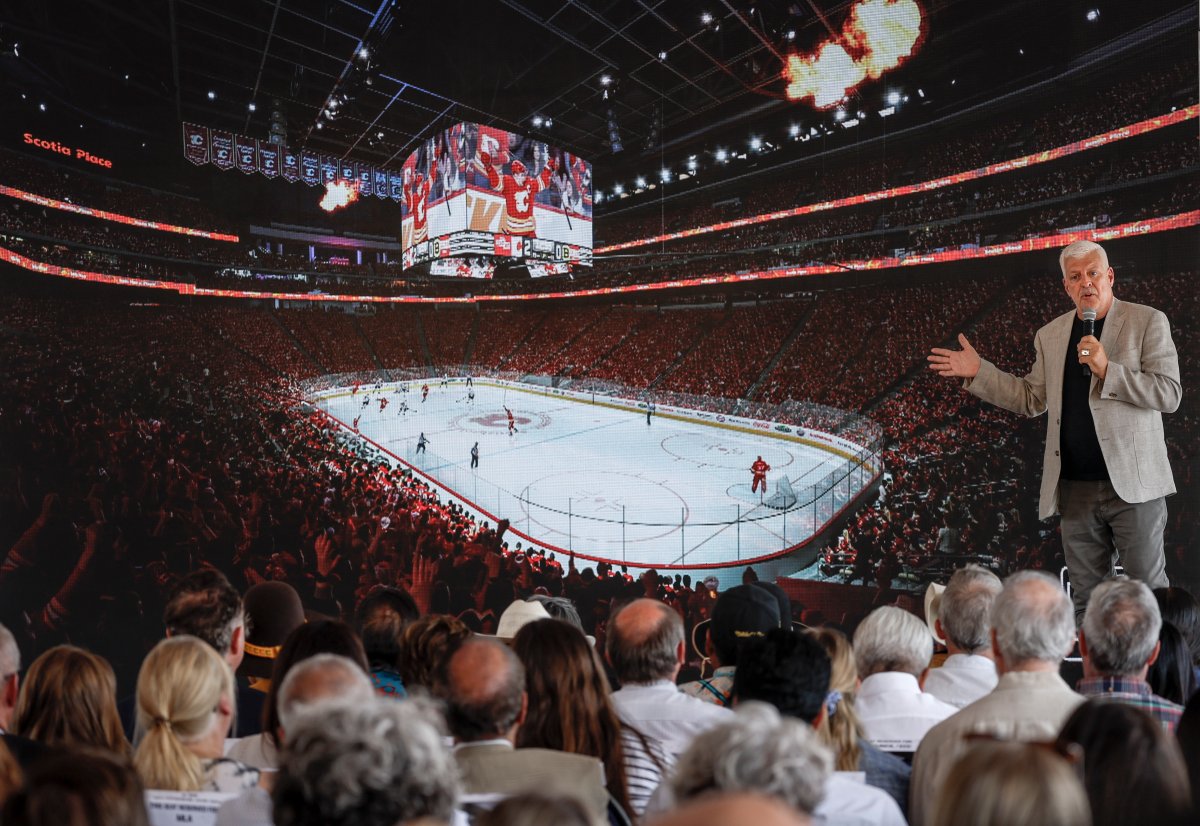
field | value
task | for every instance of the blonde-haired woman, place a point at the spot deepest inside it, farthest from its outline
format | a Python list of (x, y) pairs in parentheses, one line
[(839, 726), (185, 706), (69, 698)]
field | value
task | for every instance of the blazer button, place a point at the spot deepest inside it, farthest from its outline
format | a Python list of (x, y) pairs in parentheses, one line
[(1056, 453)]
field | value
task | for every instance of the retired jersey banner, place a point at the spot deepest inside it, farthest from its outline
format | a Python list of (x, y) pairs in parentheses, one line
[(329, 169), (381, 183), (246, 153), (310, 168), (289, 166), (346, 170), (268, 158), (366, 179), (222, 150), (195, 143), (396, 186)]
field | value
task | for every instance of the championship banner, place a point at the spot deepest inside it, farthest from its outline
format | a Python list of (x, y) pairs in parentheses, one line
[(195, 143), (347, 171), (366, 179), (289, 168), (381, 183), (310, 168), (396, 184), (246, 153), (222, 150), (329, 169), (268, 158)]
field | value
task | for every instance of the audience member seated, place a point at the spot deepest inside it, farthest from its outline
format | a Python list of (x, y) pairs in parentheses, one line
[(1001, 784), (1033, 629), (1170, 676), (22, 749), (646, 649), (78, 787), (486, 708), (425, 647), (380, 619), (273, 612), (1119, 641), (379, 763), (733, 808), (321, 678), (964, 621), (1133, 770), (1180, 608), (892, 649), (185, 699), (69, 699), (320, 636), (536, 809), (841, 731)]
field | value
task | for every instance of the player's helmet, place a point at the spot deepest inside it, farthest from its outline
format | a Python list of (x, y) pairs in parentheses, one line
[(518, 168)]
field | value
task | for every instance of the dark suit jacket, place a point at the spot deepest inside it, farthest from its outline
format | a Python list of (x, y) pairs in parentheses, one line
[(498, 768)]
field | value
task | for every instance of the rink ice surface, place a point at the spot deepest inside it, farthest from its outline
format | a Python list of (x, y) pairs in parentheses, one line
[(573, 471)]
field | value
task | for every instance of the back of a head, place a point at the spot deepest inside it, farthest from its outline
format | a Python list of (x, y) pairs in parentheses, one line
[(1006, 783), (78, 787), (1171, 675), (10, 653), (367, 764), (643, 641), (484, 688), (892, 639), (380, 619), (1033, 620), (787, 669), (205, 605), (536, 809), (560, 608), (966, 607), (757, 751), (321, 678), (1120, 627), (69, 698), (1178, 607), (733, 809), (179, 687), (1133, 771), (425, 647), (742, 613)]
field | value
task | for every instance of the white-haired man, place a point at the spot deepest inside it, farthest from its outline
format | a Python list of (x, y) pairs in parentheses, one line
[(22, 748), (964, 622), (1033, 628), (1105, 373), (892, 650), (1119, 642)]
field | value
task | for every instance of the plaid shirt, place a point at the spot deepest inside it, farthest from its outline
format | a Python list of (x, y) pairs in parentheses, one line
[(1134, 693)]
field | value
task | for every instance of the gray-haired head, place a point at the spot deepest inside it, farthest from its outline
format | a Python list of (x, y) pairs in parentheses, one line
[(368, 764), (322, 678), (757, 751), (1081, 249), (560, 608), (10, 655), (1120, 628), (966, 608), (892, 639), (1032, 619), (643, 642)]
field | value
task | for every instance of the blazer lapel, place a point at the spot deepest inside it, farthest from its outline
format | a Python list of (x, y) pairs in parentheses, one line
[(1057, 340), (1110, 334)]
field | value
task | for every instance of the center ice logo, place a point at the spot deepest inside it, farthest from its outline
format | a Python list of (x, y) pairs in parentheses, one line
[(500, 420)]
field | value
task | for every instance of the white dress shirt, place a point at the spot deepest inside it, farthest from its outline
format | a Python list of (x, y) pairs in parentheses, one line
[(895, 713), (664, 713), (850, 802), (962, 679)]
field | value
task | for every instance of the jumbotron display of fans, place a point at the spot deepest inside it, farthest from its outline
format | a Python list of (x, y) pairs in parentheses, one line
[(632, 377)]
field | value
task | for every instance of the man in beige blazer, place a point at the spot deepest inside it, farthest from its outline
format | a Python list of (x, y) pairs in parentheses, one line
[(486, 704), (1105, 468)]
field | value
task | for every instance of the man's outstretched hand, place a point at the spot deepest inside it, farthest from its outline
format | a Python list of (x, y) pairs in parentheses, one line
[(962, 363)]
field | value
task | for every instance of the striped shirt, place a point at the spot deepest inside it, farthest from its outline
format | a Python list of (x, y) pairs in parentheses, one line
[(1136, 693), (646, 766)]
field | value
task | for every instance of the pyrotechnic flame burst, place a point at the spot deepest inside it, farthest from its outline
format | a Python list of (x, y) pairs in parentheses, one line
[(339, 194), (877, 37)]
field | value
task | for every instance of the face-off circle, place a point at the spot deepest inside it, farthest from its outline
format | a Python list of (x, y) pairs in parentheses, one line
[(492, 422), (705, 451), (600, 495)]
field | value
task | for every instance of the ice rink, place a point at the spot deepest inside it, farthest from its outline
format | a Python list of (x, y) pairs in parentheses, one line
[(596, 478)]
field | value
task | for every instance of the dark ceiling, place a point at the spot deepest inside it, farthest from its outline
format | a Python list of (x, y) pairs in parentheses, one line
[(677, 82)]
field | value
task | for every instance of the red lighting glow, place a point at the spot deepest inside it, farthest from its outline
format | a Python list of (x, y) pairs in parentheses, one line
[(878, 36), (339, 194)]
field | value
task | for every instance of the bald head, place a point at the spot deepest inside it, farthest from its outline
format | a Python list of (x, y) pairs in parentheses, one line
[(645, 642), (1033, 623), (485, 691), (733, 810), (319, 678)]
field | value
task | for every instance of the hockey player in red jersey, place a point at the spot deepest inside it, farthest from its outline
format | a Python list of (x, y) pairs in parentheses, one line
[(759, 469), (416, 192), (424, 392), (383, 403), (356, 418), (354, 390), (519, 190), (512, 422)]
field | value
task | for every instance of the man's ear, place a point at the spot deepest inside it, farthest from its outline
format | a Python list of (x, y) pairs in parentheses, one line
[(237, 642), (681, 652), (1083, 646), (11, 690)]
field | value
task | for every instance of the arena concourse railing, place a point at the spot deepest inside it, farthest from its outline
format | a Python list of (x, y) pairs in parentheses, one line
[(701, 537)]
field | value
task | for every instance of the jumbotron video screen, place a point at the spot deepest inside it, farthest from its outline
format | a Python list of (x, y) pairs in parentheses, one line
[(473, 190)]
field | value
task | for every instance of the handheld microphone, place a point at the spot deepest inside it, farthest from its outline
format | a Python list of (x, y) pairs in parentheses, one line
[(1089, 329)]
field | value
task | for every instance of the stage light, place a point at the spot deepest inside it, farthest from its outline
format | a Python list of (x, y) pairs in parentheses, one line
[(893, 97), (320, 125), (890, 110), (379, 134), (606, 80), (127, 76), (839, 115), (1093, 15), (705, 18), (212, 95), (664, 175), (42, 106), (794, 130), (599, 196), (364, 53), (253, 106), (537, 121), (662, 56), (722, 155), (756, 144), (691, 164), (618, 190), (640, 183), (549, 122), (921, 93), (791, 34)]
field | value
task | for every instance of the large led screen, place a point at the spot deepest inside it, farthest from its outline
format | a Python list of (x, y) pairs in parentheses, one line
[(477, 190)]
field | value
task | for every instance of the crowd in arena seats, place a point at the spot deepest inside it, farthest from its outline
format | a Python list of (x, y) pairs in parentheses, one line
[(448, 329), (496, 341), (551, 338), (659, 341), (332, 338)]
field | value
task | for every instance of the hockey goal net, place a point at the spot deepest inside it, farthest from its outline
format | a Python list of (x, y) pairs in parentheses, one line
[(783, 497)]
